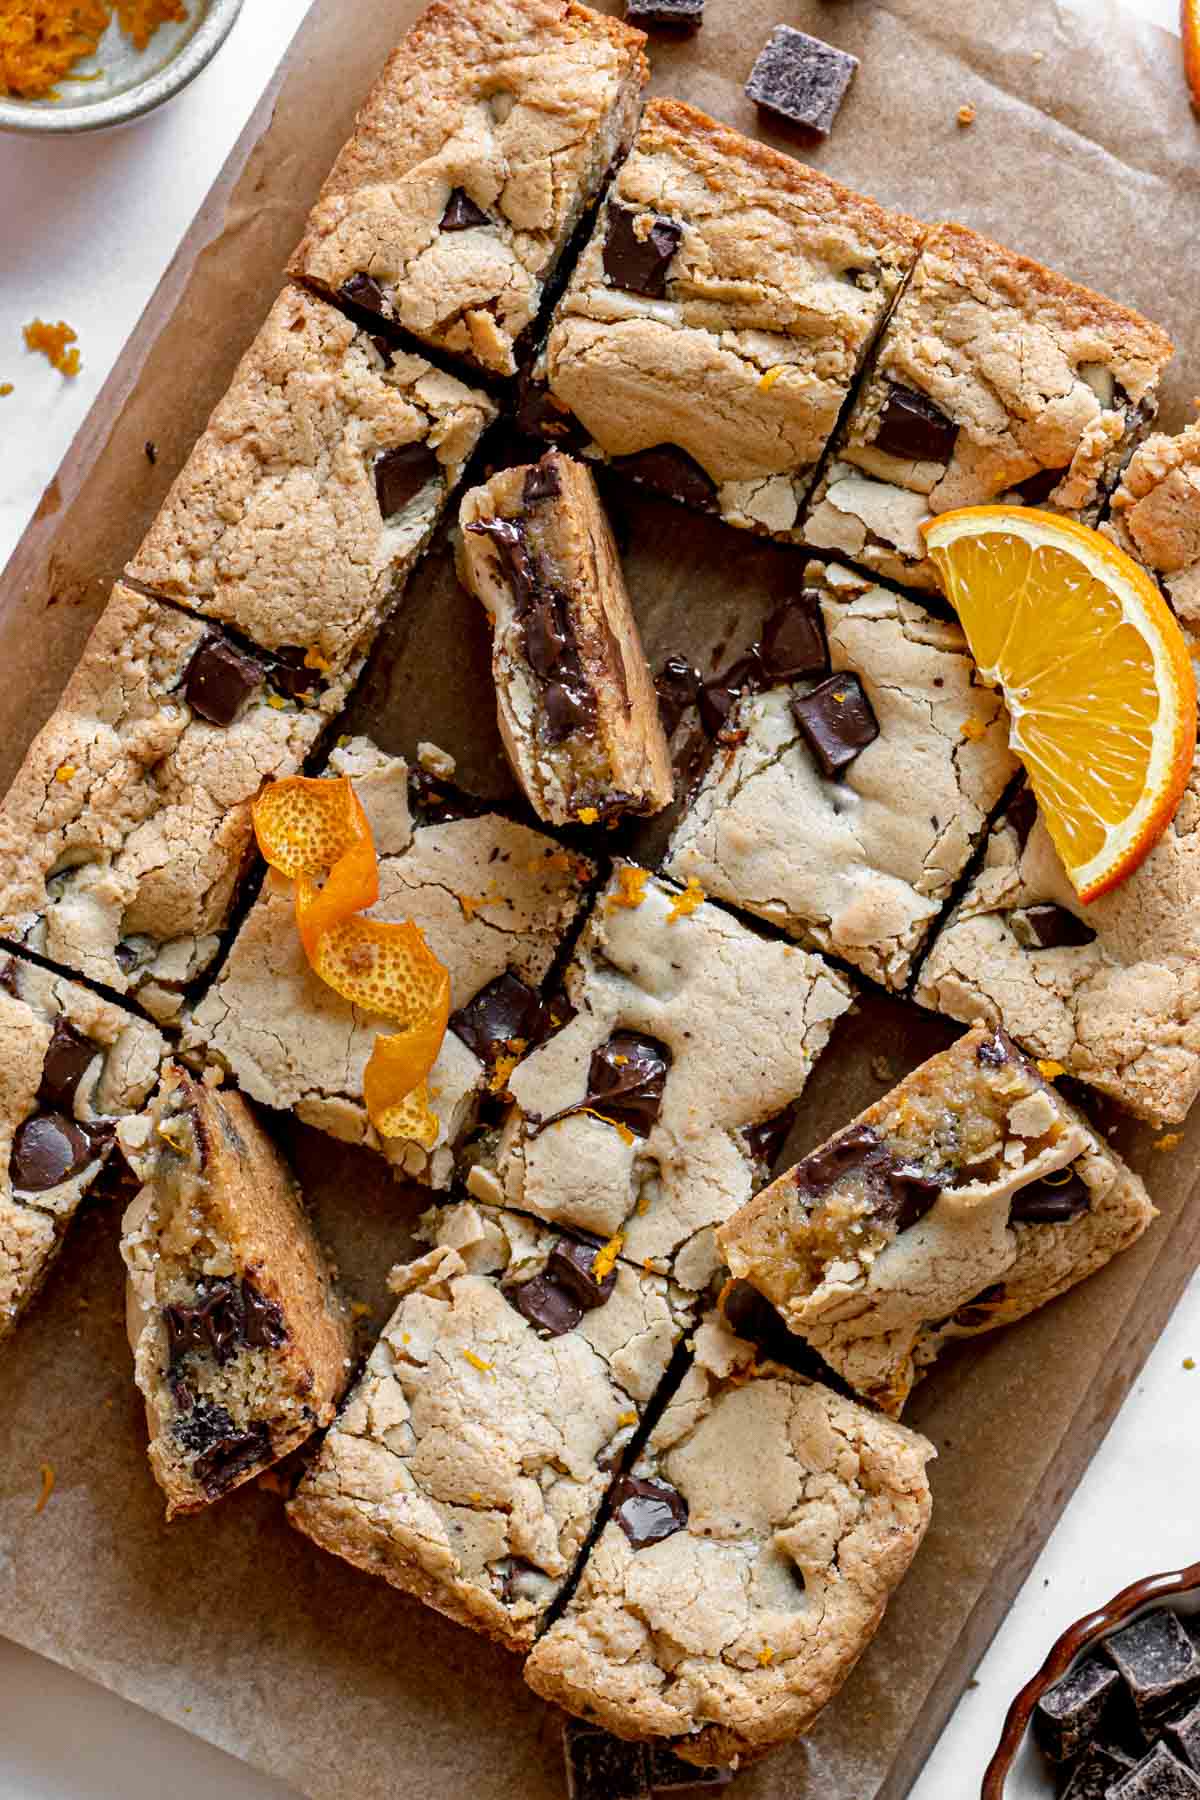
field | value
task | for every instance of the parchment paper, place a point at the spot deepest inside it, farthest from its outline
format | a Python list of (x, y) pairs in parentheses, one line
[(230, 1624)]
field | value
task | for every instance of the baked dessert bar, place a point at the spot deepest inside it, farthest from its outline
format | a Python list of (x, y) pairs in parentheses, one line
[(718, 319), (493, 899), (969, 1195), (1155, 516), (127, 828), (639, 1119), (746, 1564), (71, 1064), (241, 1347), (489, 133), (844, 806), (470, 1460), (314, 487), (576, 702), (995, 379)]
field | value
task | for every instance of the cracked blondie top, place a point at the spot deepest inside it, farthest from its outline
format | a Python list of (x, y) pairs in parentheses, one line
[(493, 899), (127, 828), (969, 1195), (314, 487), (852, 841), (469, 1462), (994, 380), (1110, 990), (487, 136), (637, 1120), (241, 1347), (746, 1565), (578, 713), (718, 318), (1155, 516), (71, 1065)]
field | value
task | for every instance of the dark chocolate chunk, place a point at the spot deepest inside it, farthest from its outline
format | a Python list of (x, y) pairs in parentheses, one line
[(600, 1767), (1052, 1200), (793, 639), (571, 1263), (1183, 1737), (219, 1467), (837, 722), (68, 1057), (502, 1011), (520, 1580), (567, 706), (751, 1315), (516, 564), (437, 803), (648, 1510), (365, 292), (386, 351), (203, 1424), (765, 1140), (262, 1319), (547, 631), (1039, 486), (720, 695), (982, 1309), (290, 674), (127, 956), (821, 1168), (1094, 1773), (545, 1303), (1158, 1660), (50, 1148), (626, 1078), (912, 427), (401, 473), (540, 415), (669, 1774), (461, 212), (638, 252), (677, 685), (212, 1324), (995, 1050), (1048, 927), (1021, 814), (1158, 1776), (541, 482), (680, 17), (220, 678), (801, 79), (8, 977), (1070, 1713), (557, 1012), (671, 471), (901, 1196)]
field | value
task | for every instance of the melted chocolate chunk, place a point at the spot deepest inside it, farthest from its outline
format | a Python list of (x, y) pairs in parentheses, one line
[(49, 1149), (1039, 486), (220, 678), (821, 1168), (547, 1305), (204, 1422), (516, 563), (210, 1324), (541, 482), (637, 256), (567, 706), (502, 1011), (1052, 1201), (290, 676), (67, 1060), (461, 212), (913, 428), (262, 1326), (571, 1264), (401, 473), (219, 1467), (982, 1309), (837, 722), (751, 1315), (568, 703), (902, 1196), (765, 1140), (540, 415), (626, 1079), (793, 639), (648, 1510), (548, 636), (898, 1194), (365, 292), (802, 79), (1021, 814), (720, 695), (1049, 927), (996, 1050), (671, 471), (677, 685)]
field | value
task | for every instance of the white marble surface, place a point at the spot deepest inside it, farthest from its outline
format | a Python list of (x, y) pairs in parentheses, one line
[(61, 1738)]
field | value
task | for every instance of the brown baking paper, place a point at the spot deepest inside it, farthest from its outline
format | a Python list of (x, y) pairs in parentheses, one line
[(1084, 153)]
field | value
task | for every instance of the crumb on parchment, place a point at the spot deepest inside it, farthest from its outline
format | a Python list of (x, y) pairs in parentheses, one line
[(965, 115)]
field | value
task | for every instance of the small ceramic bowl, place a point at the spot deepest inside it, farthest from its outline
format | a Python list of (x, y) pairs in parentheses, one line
[(128, 82), (1018, 1771)]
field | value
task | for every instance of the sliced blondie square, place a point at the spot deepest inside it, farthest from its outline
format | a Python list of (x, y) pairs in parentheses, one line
[(241, 1347), (995, 379), (489, 133), (844, 806), (717, 320), (964, 1199), (746, 1564), (639, 1119), (493, 899), (127, 828), (469, 1462), (576, 702), (314, 487), (71, 1065)]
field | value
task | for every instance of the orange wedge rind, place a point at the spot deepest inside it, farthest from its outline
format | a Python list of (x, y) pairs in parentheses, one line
[(1189, 20), (1094, 669)]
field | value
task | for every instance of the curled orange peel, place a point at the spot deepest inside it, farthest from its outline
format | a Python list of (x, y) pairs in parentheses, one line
[(316, 833)]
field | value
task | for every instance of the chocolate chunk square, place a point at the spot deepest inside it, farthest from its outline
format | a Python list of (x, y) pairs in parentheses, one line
[(648, 1510), (1069, 1714), (793, 639), (626, 1079), (68, 1057), (1159, 1776), (670, 1775), (1182, 1736), (837, 722), (600, 1767), (913, 428), (678, 16), (1053, 1200), (547, 1305), (1096, 1771), (572, 1264), (670, 471), (461, 212), (638, 251), (504, 1016), (801, 79), (401, 473), (1159, 1662), (220, 678)]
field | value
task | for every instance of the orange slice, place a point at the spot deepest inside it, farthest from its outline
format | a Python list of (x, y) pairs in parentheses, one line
[(1189, 19), (1094, 669)]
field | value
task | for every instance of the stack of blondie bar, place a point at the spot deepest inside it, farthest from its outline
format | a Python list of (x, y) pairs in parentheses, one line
[(635, 1414)]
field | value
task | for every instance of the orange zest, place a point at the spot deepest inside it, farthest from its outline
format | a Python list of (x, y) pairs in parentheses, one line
[(42, 40), (1189, 20), (316, 833), (52, 341)]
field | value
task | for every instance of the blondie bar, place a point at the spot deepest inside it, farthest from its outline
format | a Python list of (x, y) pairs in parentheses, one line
[(471, 1459), (71, 1064), (492, 898), (844, 806), (486, 138), (746, 1564), (718, 319), (578, 712), (1155, 516), (314, 487), (241, 1347), (638, 1119), (968, 1196), (127, 828), (994, 379)]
